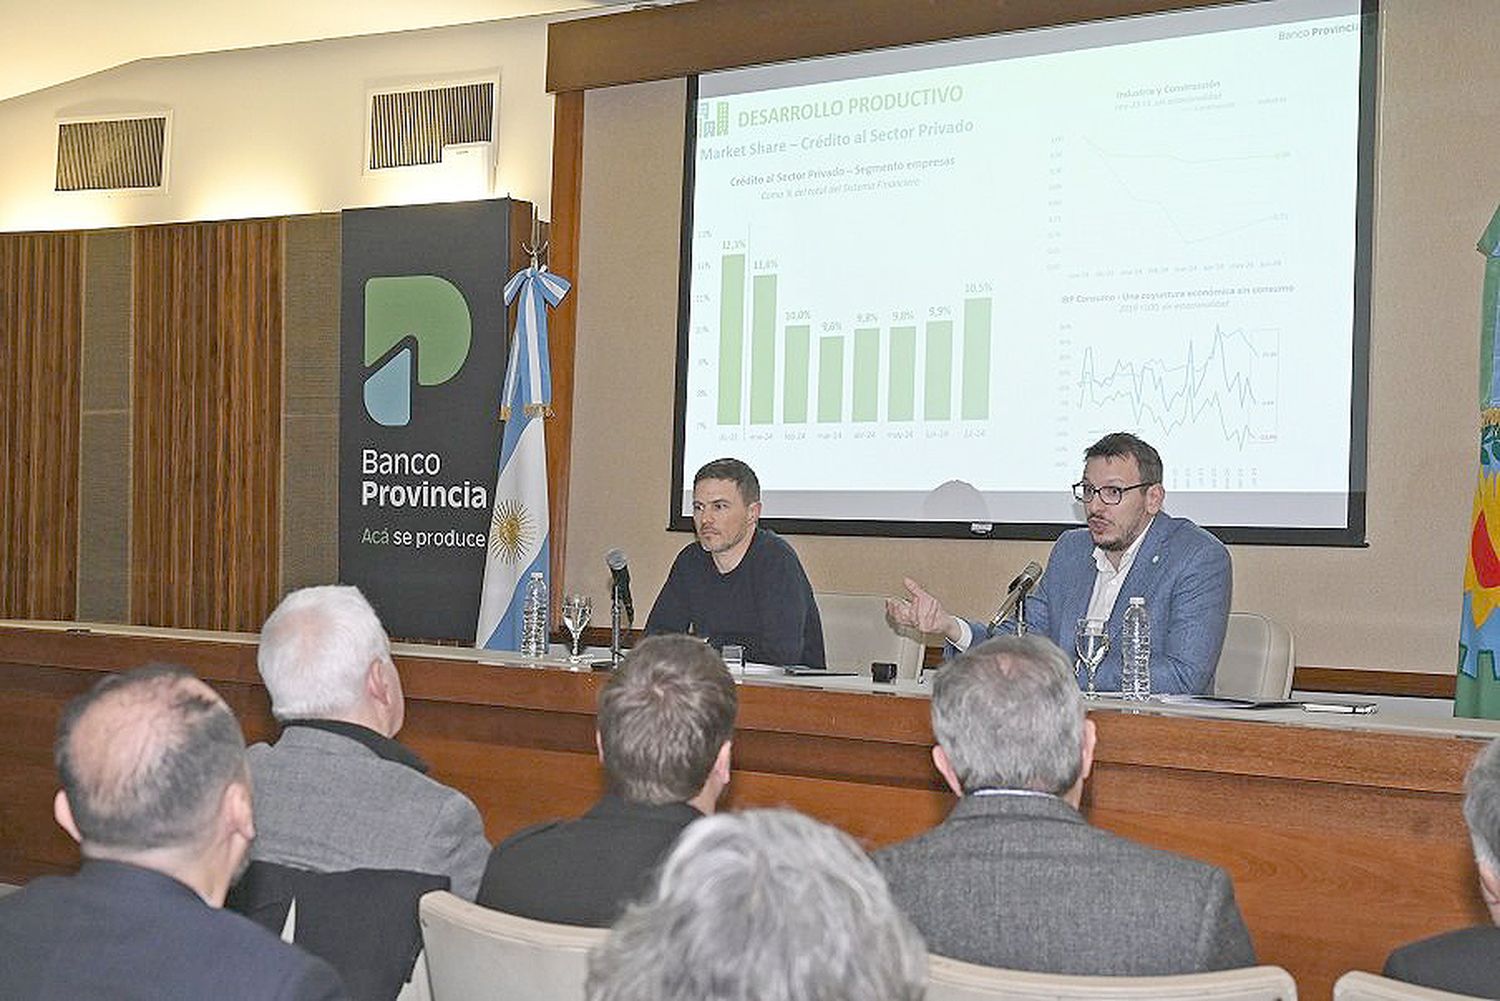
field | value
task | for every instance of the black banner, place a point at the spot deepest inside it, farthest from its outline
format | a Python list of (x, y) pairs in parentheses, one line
[(421, 358)]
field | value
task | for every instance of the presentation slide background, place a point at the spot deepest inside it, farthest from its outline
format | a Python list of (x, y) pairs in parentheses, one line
[(1392, 605), (1171, 251)]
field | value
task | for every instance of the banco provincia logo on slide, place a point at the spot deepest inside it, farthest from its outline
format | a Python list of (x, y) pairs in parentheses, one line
[(426, 309)]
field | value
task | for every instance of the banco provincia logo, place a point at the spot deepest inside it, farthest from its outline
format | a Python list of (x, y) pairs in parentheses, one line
[(424, 309)]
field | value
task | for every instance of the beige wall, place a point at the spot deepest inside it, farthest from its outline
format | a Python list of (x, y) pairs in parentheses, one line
[(279, 130), (1392, 606)]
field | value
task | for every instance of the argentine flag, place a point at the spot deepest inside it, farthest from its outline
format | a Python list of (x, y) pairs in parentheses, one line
[(518, 543)]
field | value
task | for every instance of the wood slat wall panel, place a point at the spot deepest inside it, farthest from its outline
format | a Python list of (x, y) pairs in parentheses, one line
[(41, 329), (207, 424)]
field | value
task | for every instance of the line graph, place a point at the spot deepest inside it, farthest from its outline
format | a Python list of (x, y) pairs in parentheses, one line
[(1228, 387)]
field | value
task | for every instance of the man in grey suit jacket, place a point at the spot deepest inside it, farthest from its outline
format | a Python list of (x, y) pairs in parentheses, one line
[(337, 791), (1015, 877), (1466, 961), (1129, 548)]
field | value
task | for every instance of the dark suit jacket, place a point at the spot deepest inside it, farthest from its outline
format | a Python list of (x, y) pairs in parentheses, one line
[(1024, 883), (121, 932), (584, 871), (1463, 962)]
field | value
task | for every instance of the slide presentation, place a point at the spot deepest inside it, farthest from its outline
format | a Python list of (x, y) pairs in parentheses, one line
[(918, 282)]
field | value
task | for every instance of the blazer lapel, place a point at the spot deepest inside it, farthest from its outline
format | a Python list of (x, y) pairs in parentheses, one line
[(1150, 563)]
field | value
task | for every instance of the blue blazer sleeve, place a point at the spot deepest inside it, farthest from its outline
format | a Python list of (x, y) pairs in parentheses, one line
[(1189, 615)]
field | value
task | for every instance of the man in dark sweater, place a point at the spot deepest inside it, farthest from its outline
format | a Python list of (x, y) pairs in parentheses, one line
[(1466, 961), (665, 723), (739, 583)]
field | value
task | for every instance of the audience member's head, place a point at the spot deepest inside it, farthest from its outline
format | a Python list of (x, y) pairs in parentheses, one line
[(765, 905), (665, 722), (152, 764), (1482, 812), (1007, 714), (324, 655)]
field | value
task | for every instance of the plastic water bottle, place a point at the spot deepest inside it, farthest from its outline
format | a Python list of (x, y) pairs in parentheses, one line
[(1135, 652), (536, 631)]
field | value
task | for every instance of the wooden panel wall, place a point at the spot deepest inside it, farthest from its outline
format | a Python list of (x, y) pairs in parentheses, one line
[(41, 326), (207, 332)]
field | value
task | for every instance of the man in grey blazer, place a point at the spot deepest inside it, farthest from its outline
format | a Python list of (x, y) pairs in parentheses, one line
[(1130, 547), (337, 791), (1466, 961), (1015, 877)]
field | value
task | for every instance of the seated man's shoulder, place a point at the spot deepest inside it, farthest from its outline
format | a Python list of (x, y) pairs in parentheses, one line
[(1451, 961), (1074, 540), (318, 753), (776, 551), (1185, 533), (535, 837), (1142, 855)]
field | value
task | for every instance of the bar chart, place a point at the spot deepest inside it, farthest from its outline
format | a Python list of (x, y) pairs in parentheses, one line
[(779, 366)]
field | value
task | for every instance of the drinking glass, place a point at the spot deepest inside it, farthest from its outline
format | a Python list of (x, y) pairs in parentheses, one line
[(1092, 644), (577, 609)]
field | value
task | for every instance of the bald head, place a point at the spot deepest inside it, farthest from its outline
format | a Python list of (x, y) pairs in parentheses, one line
[(145, 758)]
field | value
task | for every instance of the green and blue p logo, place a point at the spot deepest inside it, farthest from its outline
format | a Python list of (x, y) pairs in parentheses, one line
[(424, 308)]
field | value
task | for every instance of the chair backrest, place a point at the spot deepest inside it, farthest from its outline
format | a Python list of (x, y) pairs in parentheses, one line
[(362, 921), (951, 980), (474, 952), (1357, 985), (856, 632), (1258, 658)]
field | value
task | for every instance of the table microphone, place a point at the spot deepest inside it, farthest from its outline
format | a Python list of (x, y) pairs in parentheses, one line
[(1016, 593), (619, 573)]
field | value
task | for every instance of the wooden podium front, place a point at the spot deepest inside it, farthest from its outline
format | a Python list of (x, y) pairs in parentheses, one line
[(1344, 838)]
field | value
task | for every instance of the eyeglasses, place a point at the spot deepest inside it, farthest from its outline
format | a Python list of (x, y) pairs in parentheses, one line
[(1085, 491)]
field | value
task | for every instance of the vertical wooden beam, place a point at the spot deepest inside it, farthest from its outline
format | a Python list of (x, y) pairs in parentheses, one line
[(567, 189)]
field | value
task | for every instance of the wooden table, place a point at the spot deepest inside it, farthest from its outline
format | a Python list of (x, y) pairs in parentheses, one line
[(1344, 837)]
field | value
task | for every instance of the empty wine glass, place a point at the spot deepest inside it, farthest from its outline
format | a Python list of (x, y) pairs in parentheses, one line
[(1092, 643), (577, 609)]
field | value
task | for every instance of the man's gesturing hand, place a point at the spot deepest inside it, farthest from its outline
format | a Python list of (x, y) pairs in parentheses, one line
[(923, 612)]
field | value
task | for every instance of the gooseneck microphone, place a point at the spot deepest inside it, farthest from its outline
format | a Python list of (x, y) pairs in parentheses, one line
[(619, 574), (1016, 593)]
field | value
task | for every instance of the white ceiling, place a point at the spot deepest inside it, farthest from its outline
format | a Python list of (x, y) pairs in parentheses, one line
[(47, 42)]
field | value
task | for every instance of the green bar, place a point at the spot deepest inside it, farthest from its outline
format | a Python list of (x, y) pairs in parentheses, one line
[(937, 397), (867, 374), (976, 370), (763, 349), (830, 379), (731, 337), (902, 404), (794, 381)]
